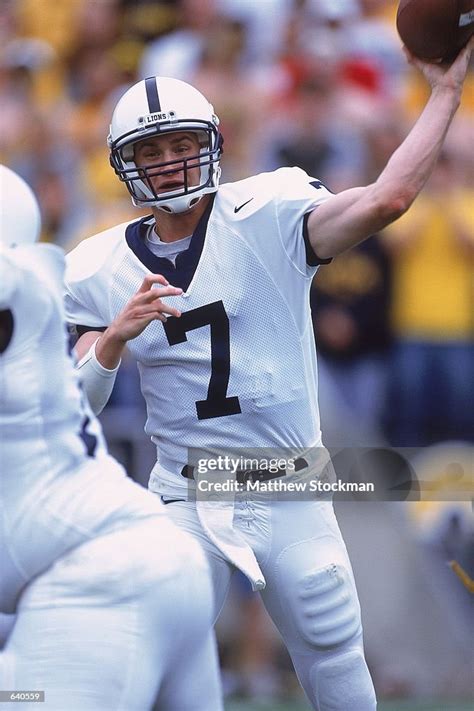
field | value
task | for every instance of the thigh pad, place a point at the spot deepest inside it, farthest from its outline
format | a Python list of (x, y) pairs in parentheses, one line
[(321, 599)]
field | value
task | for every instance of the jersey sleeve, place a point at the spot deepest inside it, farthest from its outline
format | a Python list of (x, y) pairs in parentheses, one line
[(90, 269), (297, 195), (80, 314), (82, 295)]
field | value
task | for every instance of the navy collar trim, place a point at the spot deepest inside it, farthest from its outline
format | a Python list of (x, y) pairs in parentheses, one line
[(182, 274)]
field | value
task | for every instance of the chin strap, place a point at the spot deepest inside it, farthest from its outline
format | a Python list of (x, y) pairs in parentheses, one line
[(179, 205)]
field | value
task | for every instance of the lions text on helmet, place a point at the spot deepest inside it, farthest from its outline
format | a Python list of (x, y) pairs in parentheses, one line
[(165, 144)]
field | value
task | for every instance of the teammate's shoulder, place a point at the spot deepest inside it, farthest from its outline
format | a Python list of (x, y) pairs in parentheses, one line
[(32, 268), (44, 260), (90, 255)]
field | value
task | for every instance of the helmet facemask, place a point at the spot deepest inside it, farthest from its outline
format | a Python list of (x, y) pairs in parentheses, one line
[(139, 178)]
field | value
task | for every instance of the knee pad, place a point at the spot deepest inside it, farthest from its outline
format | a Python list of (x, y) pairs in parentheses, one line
[(343, 683), (325, 607)]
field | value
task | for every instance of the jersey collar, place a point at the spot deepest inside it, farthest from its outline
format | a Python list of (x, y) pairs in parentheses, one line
[(182, 274)]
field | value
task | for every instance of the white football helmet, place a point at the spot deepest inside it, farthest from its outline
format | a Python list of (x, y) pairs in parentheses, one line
[(152, 107), (20, 221)]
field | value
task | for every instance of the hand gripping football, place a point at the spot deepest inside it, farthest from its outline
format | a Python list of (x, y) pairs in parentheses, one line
[(435, 29)]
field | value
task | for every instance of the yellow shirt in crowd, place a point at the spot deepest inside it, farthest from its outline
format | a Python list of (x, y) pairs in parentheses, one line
[(433, 280)]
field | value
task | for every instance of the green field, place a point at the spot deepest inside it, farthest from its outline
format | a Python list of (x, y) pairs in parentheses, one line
[(383, 706)]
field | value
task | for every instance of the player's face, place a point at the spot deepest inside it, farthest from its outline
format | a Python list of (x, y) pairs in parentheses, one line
[(172, 149)]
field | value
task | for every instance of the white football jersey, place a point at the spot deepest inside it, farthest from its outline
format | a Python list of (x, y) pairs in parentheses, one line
[(48, 436), (41, 402), (238, 369)]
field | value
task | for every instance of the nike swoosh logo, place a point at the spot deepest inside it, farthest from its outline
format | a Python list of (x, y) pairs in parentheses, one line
[(237, 209)]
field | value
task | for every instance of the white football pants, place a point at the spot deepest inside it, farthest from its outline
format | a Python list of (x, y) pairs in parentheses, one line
[(310, 593), (118, 620)]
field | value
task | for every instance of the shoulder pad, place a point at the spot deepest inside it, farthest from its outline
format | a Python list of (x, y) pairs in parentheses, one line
[(94, 252)]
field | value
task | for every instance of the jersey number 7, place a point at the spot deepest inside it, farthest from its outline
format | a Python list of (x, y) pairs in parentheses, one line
[(217, 404)]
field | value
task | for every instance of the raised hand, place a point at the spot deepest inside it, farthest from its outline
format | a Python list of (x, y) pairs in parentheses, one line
[(442, 74)]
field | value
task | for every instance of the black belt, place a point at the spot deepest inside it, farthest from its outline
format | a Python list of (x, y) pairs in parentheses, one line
[(243, 475)]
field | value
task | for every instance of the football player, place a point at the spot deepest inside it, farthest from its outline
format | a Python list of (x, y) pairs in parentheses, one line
[(111, 598), (210, 293)]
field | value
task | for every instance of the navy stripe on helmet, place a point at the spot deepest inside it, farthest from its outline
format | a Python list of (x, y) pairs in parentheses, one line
[(152, 95)]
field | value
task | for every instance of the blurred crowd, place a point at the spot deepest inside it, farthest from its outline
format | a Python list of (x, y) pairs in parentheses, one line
[(322, 84)]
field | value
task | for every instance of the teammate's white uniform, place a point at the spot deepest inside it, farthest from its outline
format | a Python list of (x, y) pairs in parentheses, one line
[(111, 598), (238, 369)]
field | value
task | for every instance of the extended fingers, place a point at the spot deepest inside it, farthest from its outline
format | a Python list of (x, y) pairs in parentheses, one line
[(162, 308), (158, 314), (151, 304), (466, 51), (153, 294), (151, 279)]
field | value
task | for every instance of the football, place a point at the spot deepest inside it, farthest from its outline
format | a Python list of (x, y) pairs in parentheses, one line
[(435, 29)]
